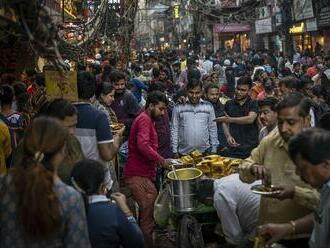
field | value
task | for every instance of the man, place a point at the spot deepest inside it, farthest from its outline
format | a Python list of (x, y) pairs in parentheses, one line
[(125, 104), (240, 122), (271, 160), (268, 116), (93, 128), (140, 169), (312, 162), (288, 85), (207, 64), (192, 123), (5, 147), (212, 94), (296, 70)]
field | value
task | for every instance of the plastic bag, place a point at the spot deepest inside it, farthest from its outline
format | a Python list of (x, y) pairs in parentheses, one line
[(162, 207)]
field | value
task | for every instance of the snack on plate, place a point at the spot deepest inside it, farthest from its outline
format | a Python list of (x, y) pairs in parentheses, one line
[(212, 157), (187, 159), (115, 126), (196, 154)]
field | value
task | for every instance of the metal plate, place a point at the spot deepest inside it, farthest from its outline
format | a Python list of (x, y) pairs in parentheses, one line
[(260, 190)]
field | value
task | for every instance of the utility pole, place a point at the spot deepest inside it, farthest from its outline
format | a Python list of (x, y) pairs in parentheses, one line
[(286, 25)]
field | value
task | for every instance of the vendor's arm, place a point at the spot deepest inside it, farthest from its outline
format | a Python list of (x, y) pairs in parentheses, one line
[(280, 231), (252, 163)]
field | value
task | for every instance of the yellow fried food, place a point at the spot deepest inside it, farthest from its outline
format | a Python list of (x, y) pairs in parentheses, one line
[(116, 126), (196, 154), (187, 159)]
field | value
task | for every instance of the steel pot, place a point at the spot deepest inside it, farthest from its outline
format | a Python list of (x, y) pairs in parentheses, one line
[(183, 188)]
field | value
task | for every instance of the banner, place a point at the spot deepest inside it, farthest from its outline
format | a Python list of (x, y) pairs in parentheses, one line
[(61, 85), (303, 9)]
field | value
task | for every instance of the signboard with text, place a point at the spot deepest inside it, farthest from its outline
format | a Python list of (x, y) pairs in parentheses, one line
[(303, 9)]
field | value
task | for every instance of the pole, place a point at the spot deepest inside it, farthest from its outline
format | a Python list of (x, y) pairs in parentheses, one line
[(63, 12)]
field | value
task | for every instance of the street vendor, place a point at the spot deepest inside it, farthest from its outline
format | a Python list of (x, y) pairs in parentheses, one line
[(313, 166), (143, 157), (294, 198)]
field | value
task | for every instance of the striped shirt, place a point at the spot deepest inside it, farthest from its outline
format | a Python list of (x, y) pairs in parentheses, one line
[(193, 128)]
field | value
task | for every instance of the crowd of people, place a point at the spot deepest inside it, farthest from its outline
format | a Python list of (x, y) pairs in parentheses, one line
[(59, 186)]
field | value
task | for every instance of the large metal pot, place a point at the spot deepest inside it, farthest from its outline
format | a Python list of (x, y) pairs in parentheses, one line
[(183, 188)]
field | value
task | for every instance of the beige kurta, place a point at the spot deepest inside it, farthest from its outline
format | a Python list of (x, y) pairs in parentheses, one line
[(272, 152)]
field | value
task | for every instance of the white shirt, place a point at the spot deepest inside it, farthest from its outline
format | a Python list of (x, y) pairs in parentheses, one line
[(237, 208), (208, 65)]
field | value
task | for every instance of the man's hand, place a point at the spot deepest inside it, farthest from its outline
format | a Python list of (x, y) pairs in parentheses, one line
[(284, 192), (274, 232), (260, 172), (231, 141), (223, 119)]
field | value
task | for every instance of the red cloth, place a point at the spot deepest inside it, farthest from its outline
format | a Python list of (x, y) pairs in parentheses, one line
[(142, 148), (144, 193), (312, 71)]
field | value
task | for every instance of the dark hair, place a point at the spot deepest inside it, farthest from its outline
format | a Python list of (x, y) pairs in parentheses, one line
[(155, 72), (211, 86), (294, 100), (86, 85), (245, 80), (304, 81), (157, 86), (103, 88), (155, 97), (88, 174), (268, 101), (257, 74), (106, 73), (6, 94), (193, 74), (205, 191), (116, 75), (33, 176), (296, 64), (193, 83), (318, 91), (324, 121), (19, 88), (313, 145), (58, 108), (290, 82)]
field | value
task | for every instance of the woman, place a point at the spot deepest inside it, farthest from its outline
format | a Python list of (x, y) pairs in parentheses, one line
[(109, 224), (105, 95), (37, 208), (13, 118)]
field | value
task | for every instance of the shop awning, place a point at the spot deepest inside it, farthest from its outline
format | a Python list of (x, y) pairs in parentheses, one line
[(231, 28)]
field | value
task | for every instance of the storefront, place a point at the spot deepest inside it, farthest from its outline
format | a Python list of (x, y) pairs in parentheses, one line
[(231, 36), (323, 23), (306, 35)]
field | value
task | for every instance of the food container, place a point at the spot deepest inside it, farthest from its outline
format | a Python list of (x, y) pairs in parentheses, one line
[(183, 188)]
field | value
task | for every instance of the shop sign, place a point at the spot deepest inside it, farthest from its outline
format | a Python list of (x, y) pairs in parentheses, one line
[(311, 25), (324, 16), (61, 85), (303, 9), (278, 19), (297, 28), (264, 26), (231, 28)]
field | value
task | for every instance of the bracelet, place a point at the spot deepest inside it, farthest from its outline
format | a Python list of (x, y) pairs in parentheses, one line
[(293, 227)]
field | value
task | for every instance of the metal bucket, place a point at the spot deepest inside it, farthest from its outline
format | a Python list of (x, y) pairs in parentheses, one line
[(183, 188)]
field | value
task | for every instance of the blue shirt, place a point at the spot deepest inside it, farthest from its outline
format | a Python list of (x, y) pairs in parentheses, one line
[(321, 233), (109, 227), (93, 128)]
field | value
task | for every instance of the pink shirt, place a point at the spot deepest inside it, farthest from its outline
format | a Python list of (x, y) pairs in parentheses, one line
[(142, 148)]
